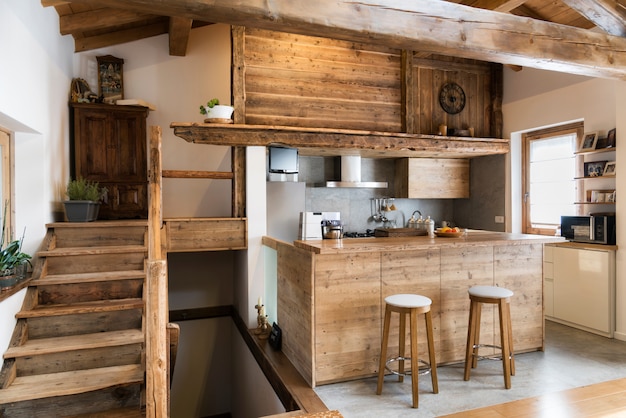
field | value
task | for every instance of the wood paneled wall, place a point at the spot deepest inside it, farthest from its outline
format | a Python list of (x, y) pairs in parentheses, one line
[(474, 77), (296, 80)]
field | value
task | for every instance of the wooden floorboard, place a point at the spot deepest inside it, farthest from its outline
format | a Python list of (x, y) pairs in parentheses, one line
[(607, 399)]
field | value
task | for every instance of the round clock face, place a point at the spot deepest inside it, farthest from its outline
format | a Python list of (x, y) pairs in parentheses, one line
[(452, 98)]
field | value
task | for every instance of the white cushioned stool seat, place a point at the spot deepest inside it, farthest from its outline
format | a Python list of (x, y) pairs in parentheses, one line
[(490, 292), (408, 305), (408, 301)]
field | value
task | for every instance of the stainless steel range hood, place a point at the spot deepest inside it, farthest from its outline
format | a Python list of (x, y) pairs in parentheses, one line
[(351, 175)]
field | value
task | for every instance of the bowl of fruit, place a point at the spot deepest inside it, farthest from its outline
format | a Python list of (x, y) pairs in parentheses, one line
[(450, 232)]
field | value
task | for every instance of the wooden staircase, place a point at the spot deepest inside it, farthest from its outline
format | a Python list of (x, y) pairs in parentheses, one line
[(78, 348)]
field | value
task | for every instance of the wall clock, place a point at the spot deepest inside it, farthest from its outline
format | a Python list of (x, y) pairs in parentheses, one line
[(452, 98)]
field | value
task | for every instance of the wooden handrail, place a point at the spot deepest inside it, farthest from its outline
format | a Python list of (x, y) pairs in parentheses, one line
[(187, 174)]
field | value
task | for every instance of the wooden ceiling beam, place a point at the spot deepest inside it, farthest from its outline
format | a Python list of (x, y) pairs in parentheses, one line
[(98, 19), (180, 28), (48, 3), (123, 36), (608, 15), (431, 26), (504, 6)]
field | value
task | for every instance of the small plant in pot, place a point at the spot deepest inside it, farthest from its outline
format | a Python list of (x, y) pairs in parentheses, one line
[(13, 262), (84, 200), (216, 113)]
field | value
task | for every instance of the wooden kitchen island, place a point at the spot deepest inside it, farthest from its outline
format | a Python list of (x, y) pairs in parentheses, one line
[(331, 296)]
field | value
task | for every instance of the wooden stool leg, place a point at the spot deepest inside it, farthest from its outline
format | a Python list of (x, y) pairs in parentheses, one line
[(414, 360), (401, 346), (383, 352), (504, 342), (508, 316), (471, 333), (478, 309), (431, 352)]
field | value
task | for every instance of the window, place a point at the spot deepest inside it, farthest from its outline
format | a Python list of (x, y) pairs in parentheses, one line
[(549, 187)]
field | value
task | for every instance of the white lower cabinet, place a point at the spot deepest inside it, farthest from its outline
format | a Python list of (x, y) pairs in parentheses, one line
[(584, 289)]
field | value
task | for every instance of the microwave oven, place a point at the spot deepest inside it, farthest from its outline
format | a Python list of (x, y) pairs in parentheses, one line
[(595, 228)]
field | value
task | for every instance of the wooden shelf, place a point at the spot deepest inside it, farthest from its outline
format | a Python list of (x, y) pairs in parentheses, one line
[(596, 151), (610, 176), (332, 142)]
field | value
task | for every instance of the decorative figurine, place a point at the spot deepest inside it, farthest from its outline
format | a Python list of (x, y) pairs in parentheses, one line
[(263, 328)]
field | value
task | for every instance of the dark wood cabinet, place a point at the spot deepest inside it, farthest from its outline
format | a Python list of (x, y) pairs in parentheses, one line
[(109, 145)]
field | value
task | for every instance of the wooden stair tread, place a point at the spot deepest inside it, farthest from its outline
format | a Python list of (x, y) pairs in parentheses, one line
[(105, 249), (75, 342), (100, 224), (103, 276), (82, 307), (70, 383), (115, 413)]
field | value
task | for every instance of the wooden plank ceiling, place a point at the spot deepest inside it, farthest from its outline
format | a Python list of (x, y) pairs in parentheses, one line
[(578, 36)]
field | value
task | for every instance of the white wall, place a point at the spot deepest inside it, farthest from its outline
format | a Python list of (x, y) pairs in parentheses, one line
[(35, 78), (597, 102)]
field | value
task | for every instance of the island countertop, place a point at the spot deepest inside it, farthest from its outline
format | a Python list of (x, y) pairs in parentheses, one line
[(331, 294), (472, 237)]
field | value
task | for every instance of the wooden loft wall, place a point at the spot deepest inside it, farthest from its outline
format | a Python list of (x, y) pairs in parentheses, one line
[(304, 81), (479, 82)]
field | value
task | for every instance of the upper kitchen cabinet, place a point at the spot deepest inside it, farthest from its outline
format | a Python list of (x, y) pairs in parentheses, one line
[(108, 145), (432, 178)]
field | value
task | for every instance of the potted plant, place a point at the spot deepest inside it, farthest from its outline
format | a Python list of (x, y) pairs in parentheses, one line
[(13, 262), (84, 200), (216, 113)]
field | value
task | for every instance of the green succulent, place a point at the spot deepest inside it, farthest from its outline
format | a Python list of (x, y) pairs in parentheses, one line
[(11, 255)]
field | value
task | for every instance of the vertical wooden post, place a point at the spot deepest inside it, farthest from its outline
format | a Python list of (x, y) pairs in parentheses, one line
[(155, 195), (238, 154), (156, 304), (407, 93)]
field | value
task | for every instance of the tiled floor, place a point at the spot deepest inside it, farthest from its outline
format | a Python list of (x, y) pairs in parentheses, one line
[(572, 358)]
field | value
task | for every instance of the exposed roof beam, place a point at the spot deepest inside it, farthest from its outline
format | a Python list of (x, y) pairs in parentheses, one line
[(119, 37), (98, 19), (608, 15), (180, 27), (425, 25)]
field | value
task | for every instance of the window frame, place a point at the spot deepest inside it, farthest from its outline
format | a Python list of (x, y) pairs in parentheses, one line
[(6, 182), (539, 134)]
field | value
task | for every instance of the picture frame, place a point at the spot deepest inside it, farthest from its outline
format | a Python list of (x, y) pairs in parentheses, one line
[(609, 169), (110, 78), (594, 168), (610, 197), (588, 142), (610, 138)]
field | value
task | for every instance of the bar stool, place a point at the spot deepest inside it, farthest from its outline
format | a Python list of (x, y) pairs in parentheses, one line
[(412, 305), (501, 297)]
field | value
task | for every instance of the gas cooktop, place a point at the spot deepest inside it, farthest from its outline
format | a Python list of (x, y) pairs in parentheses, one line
[(367, 233)]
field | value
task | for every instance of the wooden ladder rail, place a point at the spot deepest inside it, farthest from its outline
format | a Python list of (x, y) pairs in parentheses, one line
[(158, 329), (157, 306)]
